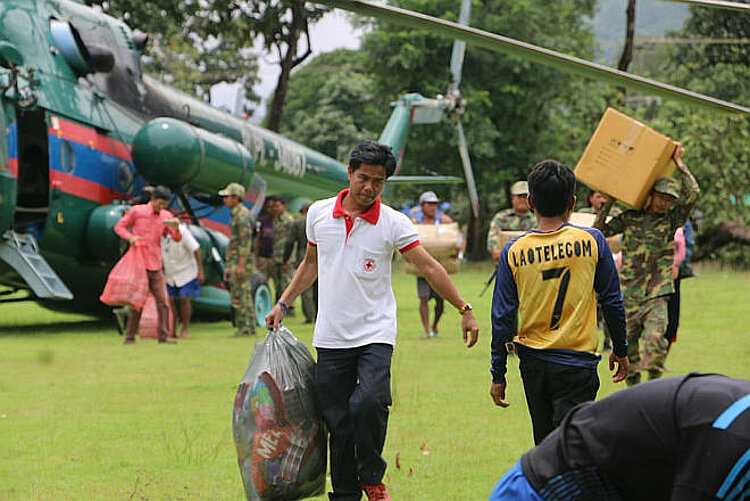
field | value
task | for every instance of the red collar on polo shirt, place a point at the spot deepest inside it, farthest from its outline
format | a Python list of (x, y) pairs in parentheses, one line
[(371, 215)]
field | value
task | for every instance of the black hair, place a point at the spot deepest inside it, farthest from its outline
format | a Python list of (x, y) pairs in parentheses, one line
[(373, 153), (280, 198), (552, 186), (588, 197), (162, 193)]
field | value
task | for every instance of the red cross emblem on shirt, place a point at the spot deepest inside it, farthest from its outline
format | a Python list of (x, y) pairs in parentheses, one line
[(369, 265)]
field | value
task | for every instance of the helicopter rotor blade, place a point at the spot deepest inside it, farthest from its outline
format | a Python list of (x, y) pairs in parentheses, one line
[(535, 54), (459, 46), (463, 151), (717, 4)]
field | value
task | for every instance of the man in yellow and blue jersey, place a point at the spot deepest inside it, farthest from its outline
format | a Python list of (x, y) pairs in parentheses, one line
[(551, 276)]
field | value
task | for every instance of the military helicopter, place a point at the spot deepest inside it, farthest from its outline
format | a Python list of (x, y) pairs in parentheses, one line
[(86, 130)]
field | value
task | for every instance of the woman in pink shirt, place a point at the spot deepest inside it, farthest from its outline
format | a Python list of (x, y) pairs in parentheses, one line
[(143, 226), (673, 304)]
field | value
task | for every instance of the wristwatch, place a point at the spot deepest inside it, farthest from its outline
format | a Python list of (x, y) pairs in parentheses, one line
[(464, 308)]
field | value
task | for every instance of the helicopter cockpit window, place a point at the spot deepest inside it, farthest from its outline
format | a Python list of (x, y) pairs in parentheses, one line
[(122, 82), (126, 178), (67, 157)]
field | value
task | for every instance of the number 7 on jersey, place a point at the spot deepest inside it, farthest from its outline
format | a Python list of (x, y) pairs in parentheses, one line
[(563, 273)]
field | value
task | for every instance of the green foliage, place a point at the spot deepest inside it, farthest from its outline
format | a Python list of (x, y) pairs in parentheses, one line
[(716, 144), (274, 21), (192, 45), (653, 18), (84, 417), (331, 105), (513, 105)]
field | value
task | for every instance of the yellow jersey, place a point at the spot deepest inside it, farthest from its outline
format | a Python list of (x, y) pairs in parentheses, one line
[(552, 279)]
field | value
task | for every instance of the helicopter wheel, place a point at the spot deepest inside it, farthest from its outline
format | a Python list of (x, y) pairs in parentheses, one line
[(262, 298)]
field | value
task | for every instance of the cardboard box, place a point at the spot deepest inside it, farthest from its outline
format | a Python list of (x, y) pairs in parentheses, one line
[(506, 236), (441, 241), (587, 219), (582, 219), (624, 158)]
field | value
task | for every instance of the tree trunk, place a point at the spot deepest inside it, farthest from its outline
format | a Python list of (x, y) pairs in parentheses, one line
[(627, 50), (723, 233), (475, 237), (279, 95), (288, 62)]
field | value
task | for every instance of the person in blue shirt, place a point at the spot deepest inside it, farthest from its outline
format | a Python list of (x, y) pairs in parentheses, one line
[(551, 276)]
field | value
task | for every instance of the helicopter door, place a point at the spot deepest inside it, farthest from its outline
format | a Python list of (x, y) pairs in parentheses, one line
[(32, 195)]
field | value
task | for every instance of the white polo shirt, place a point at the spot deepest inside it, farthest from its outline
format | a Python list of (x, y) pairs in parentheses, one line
[(356, 305), (179, 258)]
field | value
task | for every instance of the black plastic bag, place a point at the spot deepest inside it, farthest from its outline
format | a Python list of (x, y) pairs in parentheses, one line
[(278, 427)]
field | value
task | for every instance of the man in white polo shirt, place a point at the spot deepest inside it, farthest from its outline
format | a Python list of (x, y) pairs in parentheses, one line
[(351, 240)]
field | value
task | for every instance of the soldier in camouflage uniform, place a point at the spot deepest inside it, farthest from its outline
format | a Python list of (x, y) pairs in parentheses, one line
[(297, 243), (282, 268), (239, 261), (595, 201), (517, 218), (646, 274)]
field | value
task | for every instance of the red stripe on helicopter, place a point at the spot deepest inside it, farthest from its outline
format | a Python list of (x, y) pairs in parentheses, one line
[(13, 166), (213, 225), (83, 188), (89, 137)]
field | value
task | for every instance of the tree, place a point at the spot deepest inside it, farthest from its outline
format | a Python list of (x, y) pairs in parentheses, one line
[(282, 25), (627, 50), (512, 103), (331, 105), (716, 144), (188, 48)]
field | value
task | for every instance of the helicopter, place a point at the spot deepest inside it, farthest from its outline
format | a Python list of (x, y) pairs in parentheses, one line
[(86, 130)]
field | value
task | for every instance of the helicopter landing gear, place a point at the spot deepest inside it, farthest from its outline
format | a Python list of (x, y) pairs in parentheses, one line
[(262, 298)]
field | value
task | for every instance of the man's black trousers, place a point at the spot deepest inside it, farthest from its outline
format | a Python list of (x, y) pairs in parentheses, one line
[(552, 390), (354, 388), (673, 313)]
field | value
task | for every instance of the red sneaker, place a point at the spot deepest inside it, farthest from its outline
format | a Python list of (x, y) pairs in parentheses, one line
[(376, 492)]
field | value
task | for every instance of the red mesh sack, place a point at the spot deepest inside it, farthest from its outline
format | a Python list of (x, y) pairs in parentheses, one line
[(148, 326), (127, 284)]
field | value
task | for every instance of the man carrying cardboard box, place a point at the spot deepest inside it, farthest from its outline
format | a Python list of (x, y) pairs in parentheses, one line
[(646, 274), (429, 203)]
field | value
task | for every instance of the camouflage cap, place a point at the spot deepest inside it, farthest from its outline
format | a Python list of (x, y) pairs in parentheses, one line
[(519, 188), (235, 189), (667, 186)]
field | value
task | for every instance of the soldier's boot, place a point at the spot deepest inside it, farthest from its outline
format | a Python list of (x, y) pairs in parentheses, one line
[(633, 380), (239, 322), (245, 324)]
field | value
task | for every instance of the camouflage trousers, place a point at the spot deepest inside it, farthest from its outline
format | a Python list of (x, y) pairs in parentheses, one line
[(241, 299), (275, 272), (646, 324), (310, 303)]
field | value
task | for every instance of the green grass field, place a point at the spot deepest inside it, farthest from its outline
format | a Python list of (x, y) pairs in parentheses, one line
[(84, 417)]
